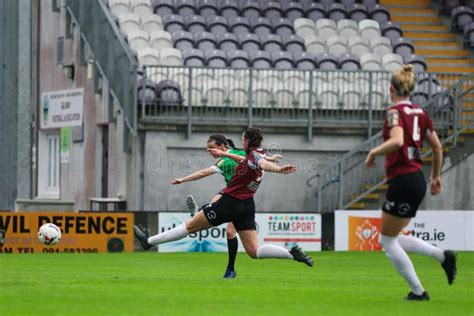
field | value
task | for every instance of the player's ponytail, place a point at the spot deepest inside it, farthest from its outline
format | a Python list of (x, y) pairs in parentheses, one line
[(255, 137), (230, 143), (403, 81)]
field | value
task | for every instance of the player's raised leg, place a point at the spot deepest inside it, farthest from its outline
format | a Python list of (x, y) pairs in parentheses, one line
[(267, 251), (447, 258), (191, 204), (192, 225), (232, 248)]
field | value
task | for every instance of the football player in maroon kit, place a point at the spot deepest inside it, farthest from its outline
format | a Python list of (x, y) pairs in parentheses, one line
[(406, 128), (236, 205)]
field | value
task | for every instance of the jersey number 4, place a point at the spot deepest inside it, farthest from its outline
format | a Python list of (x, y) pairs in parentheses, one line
[(416, 131)]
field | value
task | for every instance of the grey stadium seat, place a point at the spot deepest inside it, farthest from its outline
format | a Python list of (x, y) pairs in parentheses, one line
[(185, 7), (261, 26), (271, 42), (283, 27), (260, 59), (348, 62), (168, 93), (293, 44), (417, 61), (327, 61), (293, 10), (205, 41), (195, 23), (163, 7), (229, 8), (173, 23), (217, 25), (207, 8), (239, 25), (193, 57), (358, 12), (336, 11), (283, 60), (216, 58), (183, 40), (403, 46), (271, 10), (379, 13), (227, 42), (249, 42), (315, 11), (250, 9), (391, 30), (305, 61), (238, 59)]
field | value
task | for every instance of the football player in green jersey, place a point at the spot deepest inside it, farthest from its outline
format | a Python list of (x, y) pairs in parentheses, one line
[(226, 167)]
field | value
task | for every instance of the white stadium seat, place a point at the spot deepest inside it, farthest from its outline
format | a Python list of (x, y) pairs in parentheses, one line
[(137, 39), (141, 7), (284, 96), (315, 44), (370, 62), (303, 96), (129, 22), (216, 93), (326, 27), (118, 7), (238, 94), (196, 96), (369, 29), (160, 39), (337, 45), (347, 28), (328, 96), (262, 95), (304, 27), (171, 57), (351, 96), (392, 62), (148, 56), (151, 23), (381, 46), (358, 46)]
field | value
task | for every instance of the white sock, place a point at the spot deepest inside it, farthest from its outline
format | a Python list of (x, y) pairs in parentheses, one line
[(417, 245), (272, 251), (401, 262), (171, 235)]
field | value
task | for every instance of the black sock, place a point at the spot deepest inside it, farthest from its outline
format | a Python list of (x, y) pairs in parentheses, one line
[(232, 246)]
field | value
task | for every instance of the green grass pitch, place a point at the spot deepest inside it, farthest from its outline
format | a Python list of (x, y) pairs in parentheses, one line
[(192, 284)]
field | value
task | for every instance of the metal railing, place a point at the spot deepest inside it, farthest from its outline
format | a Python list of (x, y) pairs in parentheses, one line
[(112, 54), (348, 174), (303, 98)]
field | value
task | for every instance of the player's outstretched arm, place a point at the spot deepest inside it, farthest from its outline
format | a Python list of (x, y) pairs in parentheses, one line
[(271, 167), (195, 176), (220, 153), (392, 144), (437, 149), (274, 158)]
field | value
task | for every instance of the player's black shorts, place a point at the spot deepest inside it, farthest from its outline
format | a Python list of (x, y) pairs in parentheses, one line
[(405, 194), (228, 209)]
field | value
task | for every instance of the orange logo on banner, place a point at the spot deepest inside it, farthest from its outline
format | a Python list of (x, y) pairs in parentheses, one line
[(86, 232), (364, 233)]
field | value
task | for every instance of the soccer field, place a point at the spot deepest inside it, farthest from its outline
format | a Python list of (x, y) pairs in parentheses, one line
[(192, 284)]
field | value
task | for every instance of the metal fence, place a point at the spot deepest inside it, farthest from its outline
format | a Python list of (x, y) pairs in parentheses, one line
[(111, 53), (337, 183), (203, 95)]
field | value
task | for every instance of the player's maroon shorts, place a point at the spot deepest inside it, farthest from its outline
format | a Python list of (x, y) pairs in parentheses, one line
[(405, 194)]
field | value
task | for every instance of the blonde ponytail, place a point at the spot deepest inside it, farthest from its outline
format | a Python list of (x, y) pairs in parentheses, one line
[(403, 81)]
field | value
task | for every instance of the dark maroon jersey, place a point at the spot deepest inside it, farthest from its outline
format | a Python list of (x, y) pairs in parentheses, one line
[(247, 177), (416, 125)]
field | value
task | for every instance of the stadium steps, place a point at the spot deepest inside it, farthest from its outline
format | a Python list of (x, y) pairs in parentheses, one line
[(432, 39)]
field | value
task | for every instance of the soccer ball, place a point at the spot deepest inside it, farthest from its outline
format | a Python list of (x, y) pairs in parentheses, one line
[(49, 234)]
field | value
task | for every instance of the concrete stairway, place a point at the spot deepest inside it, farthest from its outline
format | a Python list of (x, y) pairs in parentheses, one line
[(432, 39)]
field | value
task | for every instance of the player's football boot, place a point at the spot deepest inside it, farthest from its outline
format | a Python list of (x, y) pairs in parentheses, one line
[(449, 265), (300, 256), (413, 297), (191, 205), (142, 237), (230, 274)]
